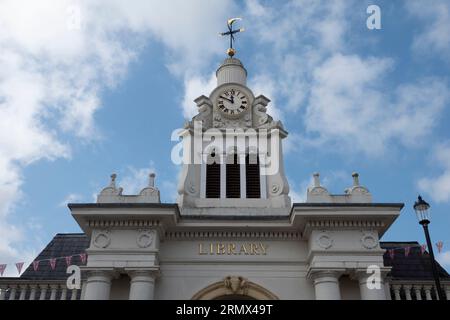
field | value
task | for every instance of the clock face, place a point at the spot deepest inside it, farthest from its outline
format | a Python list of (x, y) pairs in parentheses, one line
[(232, 102)]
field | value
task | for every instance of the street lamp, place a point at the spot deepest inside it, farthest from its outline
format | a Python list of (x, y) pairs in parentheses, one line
[(421, 207)]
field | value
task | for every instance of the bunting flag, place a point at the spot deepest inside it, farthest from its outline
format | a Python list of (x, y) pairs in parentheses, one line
[(2, 269), (36, 265), (407, 249), (439, 245), (423, 248), (53, 263), (83, 258), (19, 266), (391, 253)]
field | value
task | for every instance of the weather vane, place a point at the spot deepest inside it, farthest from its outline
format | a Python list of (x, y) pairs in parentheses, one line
[(231, 33)]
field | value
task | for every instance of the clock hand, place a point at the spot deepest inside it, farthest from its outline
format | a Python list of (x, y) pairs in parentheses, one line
[(231, 100)]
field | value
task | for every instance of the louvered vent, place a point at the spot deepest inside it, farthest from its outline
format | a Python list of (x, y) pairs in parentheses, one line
[(212, 179), (252, 176), (233, 178)]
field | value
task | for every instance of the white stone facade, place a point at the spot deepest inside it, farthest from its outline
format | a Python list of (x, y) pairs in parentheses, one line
[(210, 247)]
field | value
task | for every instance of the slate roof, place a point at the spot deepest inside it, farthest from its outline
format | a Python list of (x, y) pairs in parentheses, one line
[(414, 267), (62, 245)]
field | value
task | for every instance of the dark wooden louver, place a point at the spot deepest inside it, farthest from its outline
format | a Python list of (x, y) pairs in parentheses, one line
[(213, 180), (233, 178), (252, 176)]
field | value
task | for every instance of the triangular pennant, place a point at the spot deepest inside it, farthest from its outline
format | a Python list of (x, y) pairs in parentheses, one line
[(83, 257), (391, 253), (68, 260), (19, 266), (423, 248), (407, 249), (36, 265), (439, 245), (53, 263), (2, 269)]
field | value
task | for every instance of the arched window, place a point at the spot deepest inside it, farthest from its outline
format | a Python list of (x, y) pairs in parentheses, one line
[(233, 182), (213, 176), (252, 176)]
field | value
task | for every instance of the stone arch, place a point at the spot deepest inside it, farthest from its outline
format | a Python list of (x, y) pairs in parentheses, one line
[(235, 287)]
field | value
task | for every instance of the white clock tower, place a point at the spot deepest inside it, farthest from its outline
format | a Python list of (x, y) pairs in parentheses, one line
[(233, 152)]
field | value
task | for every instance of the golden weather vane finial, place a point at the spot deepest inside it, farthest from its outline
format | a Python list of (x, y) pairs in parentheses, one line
[(231, 33)]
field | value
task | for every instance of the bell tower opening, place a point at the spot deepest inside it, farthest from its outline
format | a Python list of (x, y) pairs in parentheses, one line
[(252, 176), (212, 176), (233, 176)]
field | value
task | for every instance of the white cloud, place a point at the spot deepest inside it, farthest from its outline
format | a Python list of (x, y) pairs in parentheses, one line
[(52, 72), (298, 191), (350, 109), (135, 179), (71, 198), (264, 84), (195, 86), (346, 100), (438, 188), (435, 17), (302, 34)]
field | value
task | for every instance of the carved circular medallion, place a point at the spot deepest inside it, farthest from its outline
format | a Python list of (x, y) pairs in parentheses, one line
[(191, 187), (145, 238), (369, 241), (275, 188), (325, 241), (102, 239)]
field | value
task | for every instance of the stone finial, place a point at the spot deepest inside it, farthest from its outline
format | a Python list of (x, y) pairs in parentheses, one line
[(151, 180), (110, 193), (112, 184), (317, 193), (357, 193), (355, 176), (316, 176)]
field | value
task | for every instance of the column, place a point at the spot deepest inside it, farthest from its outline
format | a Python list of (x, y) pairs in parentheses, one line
[(223, 176), (418, 290), (33, 289), (262, 175), (142, 285), (73, 296), (387, 290), (3, 292), (396, 288), (63, 293), (369, 288), (243, 175), (43, 288), (53, 289), (203, 176), (326, 285), (407, 288), (83, 290), (427, 290), (23, 291), (98, 285), (12, 292), (447, 291)]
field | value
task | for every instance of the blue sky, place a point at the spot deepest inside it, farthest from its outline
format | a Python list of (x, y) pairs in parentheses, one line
[(87, 89)]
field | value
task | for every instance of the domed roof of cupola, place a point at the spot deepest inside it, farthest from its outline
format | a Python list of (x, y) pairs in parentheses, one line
[(231, 71)]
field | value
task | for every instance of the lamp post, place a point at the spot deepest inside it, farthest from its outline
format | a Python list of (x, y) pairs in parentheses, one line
[(421, 207)]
